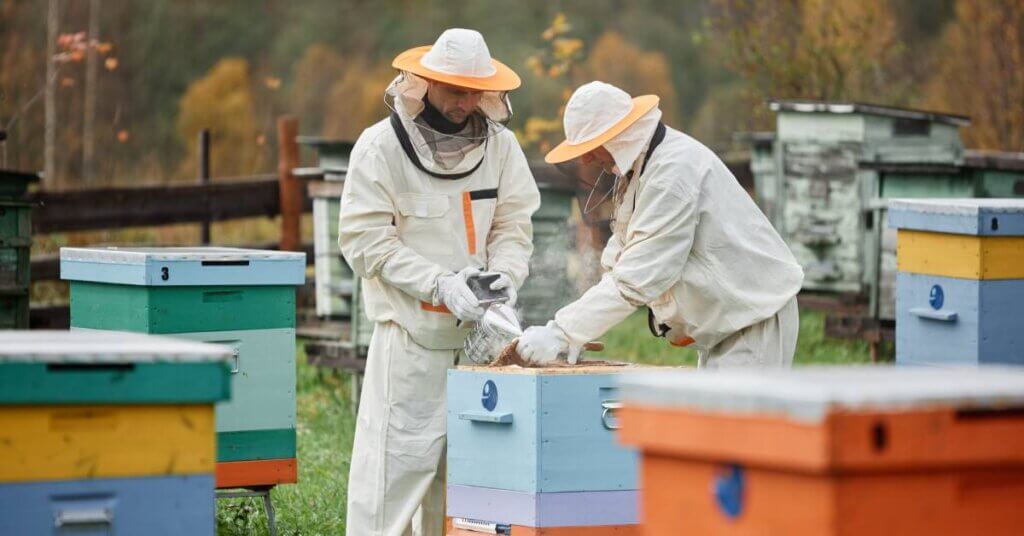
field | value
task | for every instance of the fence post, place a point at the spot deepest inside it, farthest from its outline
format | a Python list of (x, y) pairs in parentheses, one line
[(204, 178), (290, 188)]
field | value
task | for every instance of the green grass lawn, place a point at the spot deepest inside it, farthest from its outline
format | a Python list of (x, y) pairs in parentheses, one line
[(316, 505)]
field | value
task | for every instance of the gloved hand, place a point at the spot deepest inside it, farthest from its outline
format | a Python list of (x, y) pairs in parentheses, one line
[(543, 344), (505, 282), (453, 292)]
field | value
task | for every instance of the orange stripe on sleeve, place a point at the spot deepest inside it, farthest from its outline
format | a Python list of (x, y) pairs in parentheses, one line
[(467, 215), (683, 341), (426, 306)]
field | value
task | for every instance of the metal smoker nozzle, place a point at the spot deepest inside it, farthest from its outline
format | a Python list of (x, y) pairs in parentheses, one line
[(496, 329)]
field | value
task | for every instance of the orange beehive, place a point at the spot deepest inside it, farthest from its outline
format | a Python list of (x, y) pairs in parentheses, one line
[(829, 451)]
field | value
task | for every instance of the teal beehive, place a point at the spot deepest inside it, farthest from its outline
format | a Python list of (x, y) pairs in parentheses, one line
[(243, 299)]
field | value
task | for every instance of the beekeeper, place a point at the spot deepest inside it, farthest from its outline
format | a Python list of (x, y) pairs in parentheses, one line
[(434, 193), (687, 242)]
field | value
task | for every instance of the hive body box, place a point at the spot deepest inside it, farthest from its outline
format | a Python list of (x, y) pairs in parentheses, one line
[(108, 433), (15, 242), (535, 449), (960, 284), (244, 299), (824, 189), (829, 451)]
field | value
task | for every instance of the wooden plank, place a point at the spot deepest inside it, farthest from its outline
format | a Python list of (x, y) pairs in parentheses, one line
[(111, 208), (105, 441), (289, 188), (52, 317), (141, 383), (170, 310), (251, 445), (257, 473)]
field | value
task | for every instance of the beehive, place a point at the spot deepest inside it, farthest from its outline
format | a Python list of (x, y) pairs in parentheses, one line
[(108, 432), (241, 298), (829, 451), (824, 190), (960, 280), (15, 241), (534, 449)]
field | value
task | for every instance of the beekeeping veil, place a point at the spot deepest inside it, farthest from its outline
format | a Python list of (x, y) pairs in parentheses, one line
[(459, 58)]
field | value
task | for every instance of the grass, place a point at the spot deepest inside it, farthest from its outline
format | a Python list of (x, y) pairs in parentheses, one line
[(316, 505), (632, 341)]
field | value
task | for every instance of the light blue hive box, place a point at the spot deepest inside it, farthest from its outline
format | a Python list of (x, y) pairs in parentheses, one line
[(537, 447)]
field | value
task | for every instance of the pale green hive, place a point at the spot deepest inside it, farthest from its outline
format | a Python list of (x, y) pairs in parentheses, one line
[(825, 193)]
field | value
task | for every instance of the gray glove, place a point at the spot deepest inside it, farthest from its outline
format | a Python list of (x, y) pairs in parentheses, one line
[(453, 292)]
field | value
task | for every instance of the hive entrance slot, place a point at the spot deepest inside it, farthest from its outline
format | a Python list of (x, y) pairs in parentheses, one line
[(86, 367), (226, 263), (879, 437), (988, 413)]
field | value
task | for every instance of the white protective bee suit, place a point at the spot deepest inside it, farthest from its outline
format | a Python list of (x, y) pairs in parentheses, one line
[(402, 229), (687, 242)]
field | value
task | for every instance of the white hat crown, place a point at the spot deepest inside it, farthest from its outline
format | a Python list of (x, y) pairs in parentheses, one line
[(593, 109), (460, 52)]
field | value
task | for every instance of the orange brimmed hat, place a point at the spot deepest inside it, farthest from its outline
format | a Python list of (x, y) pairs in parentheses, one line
[(594, 115), (460, 58)]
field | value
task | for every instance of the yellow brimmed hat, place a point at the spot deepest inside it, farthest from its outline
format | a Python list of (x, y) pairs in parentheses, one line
[(460, 58), (595, 114)]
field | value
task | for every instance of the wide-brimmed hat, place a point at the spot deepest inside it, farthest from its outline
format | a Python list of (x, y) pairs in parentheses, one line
[(595, 114), (460, 58)]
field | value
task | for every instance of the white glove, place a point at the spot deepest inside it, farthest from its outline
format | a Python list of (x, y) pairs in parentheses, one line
[(456, 295), (543, 344), (505, 282)]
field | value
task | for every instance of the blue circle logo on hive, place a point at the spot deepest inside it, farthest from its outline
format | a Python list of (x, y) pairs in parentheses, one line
[(936, 297), (489, 398)]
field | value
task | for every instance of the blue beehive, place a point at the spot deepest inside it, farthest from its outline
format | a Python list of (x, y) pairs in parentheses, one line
[(960, 285), (536, 447)]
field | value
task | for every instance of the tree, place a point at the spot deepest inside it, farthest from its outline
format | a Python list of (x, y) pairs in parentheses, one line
[(222, 101), (619, 62), (815, 49), (319, 68), (356, 100), (981, 72)]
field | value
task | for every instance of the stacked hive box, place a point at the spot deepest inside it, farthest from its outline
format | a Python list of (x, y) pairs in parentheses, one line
[(532, 451), (960, 285), (106, 433), (829, 451), (334, 279), (825, 190), (242, 298), (15, 240)]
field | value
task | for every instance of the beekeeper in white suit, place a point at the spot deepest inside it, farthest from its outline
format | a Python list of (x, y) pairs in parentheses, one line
[(437, 192), (687, 242)]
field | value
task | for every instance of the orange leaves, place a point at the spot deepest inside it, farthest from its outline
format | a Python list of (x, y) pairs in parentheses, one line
[(110, 64), (74, 46)]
